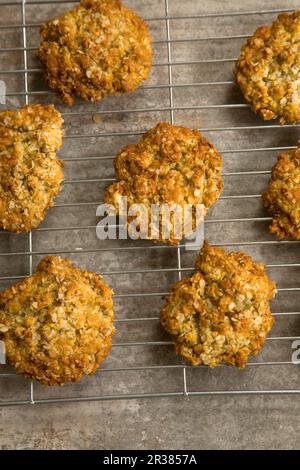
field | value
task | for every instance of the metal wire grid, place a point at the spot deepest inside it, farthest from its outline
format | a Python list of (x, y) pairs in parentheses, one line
[(26, 93)]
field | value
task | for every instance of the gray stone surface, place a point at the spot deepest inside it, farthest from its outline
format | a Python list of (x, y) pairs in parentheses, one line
[(219, 422)]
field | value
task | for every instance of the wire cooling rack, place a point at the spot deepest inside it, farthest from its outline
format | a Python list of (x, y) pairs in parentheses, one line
[(191, 84)]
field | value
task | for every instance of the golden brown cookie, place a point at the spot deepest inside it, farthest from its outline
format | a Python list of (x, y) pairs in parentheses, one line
[(30, 171), (268, 70), (221, 313), (57, 324), (283, 196), (99, 48), (169, 165)]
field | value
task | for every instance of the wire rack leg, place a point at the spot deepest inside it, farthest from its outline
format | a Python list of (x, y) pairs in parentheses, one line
[(25, 59), (170, 77)]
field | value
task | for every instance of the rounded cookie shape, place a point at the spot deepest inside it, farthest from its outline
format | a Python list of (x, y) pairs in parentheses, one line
[(170, 165), (268, 70), (221, 313), (30, 171), (282, 198), (57, 324), (99, 48)]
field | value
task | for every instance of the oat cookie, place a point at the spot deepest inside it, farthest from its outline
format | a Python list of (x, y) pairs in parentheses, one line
[(268, 70), (57, 324), (221, 313), (99, 48), (169, 165), (30, 171), (283, 196)]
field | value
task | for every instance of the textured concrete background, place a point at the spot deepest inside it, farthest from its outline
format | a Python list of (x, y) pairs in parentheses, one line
[(219, 422)]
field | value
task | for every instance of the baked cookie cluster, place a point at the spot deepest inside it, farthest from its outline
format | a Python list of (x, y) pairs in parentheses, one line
[(58, 323), (30, 171), (170, 165), (99, 48), (268, 70), (282, 198), (221, 313)]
